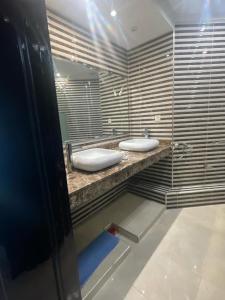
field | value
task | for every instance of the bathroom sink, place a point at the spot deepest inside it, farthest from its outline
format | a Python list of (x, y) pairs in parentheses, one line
[(139, 144), (95, 159)]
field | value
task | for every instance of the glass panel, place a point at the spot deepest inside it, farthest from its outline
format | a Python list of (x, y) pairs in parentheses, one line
[(215, 121)]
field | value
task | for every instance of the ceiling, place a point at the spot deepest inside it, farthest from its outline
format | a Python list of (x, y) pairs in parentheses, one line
[(193, 11), (136, 22), (72, 70)]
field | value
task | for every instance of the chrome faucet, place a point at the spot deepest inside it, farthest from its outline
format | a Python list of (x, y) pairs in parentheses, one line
[(69, 152), (146, 133)]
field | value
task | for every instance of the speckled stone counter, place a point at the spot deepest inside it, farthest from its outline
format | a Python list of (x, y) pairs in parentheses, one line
[(85, 186)]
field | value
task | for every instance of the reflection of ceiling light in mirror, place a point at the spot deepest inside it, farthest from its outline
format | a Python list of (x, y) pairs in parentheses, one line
[(113, 13), (58, 74)]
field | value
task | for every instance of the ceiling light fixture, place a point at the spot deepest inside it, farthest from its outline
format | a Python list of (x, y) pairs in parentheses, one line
[(113, 13), (58, 74)]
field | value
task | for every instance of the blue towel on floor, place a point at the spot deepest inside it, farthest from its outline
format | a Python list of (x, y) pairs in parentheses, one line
[(92, 256)]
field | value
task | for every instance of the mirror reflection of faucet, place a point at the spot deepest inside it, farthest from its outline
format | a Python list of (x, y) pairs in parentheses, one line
[(114, 131), (146, 133)]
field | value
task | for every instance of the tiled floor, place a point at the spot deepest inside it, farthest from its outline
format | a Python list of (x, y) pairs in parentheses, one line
[(181, 258)]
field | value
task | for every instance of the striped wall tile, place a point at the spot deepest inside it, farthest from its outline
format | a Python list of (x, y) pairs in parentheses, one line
[(82, 212), (159, 173), (148, 190), (195, 196), (114, 103), (76, 44), (79, 100), (150, 71)]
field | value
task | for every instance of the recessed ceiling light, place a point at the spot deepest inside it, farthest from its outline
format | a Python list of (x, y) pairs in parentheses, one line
[(113, 13), (58, 74)]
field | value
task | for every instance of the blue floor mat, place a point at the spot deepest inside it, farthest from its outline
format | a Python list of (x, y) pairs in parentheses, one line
[(92, 256)]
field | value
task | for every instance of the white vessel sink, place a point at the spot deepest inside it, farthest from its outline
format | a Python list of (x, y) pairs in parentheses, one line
[(95, 159), (139, 144)]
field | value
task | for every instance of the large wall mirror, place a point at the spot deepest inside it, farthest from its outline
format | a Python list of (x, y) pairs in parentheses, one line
[(93, 103)]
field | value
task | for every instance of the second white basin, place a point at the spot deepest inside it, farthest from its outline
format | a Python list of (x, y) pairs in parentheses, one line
[(139, 144), (95, 159)]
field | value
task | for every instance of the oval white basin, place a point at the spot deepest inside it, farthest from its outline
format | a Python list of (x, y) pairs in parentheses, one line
[(139, 144), (95, 159)]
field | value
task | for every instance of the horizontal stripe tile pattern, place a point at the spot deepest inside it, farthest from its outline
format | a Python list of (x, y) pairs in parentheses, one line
[(81, 213), (195, 196), (148, 190), (114, 103), (73, 43), (159, 173), (79, 100), (150, 70), (199, 114)]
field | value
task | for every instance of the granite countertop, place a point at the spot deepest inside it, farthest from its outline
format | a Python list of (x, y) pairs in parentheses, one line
[(85, 186)]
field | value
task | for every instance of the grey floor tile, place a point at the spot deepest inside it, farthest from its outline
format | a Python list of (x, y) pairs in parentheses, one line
[(182, 257), (208, 291)]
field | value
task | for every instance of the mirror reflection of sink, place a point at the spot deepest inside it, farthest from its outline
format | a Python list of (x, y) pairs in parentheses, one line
[(95, 159), (139, 144)]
